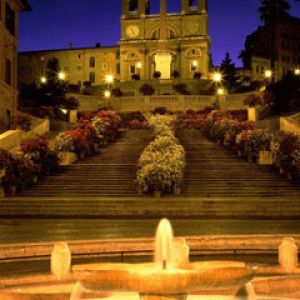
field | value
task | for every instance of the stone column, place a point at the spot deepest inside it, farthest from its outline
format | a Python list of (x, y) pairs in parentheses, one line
[(163, 58)]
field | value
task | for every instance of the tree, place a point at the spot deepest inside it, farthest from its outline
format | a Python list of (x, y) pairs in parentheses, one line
[(54, 90), (272, 10), (270, 13), (286, 93), (229, 74), (52, 69)]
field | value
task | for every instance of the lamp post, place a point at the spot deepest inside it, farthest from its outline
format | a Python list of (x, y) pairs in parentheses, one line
[(43, 80), (217, 79), (109, 79), (297, 72), (62, 76)]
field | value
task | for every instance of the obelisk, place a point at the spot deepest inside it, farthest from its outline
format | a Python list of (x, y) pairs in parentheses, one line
[(163, 57)]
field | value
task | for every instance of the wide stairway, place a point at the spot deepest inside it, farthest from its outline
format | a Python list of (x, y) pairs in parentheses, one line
[(213, 171), (110, 173)]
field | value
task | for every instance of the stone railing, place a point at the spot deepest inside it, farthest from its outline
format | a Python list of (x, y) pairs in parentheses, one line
[(171, 102), (291, 124), (13, 138)]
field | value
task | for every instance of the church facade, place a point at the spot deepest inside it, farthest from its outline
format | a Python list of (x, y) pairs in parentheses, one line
[(187, 43)]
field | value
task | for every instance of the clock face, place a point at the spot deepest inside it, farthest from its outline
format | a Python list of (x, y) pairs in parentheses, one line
[(132, 31)]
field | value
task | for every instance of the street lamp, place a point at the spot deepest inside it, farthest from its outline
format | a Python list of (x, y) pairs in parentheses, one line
[(217, 77), (297, 72), (43, 80), (268, 74), (61, 75), (220, 91), (107, 94), (139, 65), (109, 79)]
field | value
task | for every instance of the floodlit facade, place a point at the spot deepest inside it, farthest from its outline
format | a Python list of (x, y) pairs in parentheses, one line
[(188, 43), (9, 11)]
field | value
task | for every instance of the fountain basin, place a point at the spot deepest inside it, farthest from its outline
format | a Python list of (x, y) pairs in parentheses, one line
[(152, 279)]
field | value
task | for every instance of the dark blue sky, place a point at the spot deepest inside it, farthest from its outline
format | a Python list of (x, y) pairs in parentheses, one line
[(54, 24)]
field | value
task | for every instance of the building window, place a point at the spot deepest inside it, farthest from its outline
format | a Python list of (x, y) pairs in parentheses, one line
[(132, 70), (193, 3), (8, 67), (104, 66), (133, 5), (10, 17), (92, 77), (92, 62)]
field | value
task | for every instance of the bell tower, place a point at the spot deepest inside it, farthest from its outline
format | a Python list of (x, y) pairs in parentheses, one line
[(135, 8), (194, 7)]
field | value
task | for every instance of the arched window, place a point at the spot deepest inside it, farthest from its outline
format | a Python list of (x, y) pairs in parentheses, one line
[(132, 56), (193, 3), (133, 5), (193, 52), (171, 34)]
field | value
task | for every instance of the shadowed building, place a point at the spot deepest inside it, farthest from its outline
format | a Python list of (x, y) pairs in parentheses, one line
[(9, 11), (258, 48), (184, 38)]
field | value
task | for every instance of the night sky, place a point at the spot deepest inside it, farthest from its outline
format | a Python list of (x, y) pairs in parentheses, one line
[(53, 24)]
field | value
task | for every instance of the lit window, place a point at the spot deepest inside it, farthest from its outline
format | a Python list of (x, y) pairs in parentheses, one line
[(92, 62), (92, 77), (132, 70), (8, 71)]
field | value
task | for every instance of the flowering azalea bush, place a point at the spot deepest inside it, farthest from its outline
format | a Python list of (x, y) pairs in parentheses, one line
[(161, 165), (22, 122), (248, 141), (93, 130), (252, 100)]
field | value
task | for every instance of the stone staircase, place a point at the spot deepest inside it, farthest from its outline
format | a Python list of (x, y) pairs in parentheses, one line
[(111, 173), (213, 171)]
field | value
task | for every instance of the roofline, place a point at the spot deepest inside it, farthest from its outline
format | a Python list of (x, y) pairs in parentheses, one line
[(68, 49), (26, 5)]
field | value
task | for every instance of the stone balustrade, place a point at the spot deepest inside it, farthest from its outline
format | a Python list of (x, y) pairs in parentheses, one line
[(291, 124), (13, 138)]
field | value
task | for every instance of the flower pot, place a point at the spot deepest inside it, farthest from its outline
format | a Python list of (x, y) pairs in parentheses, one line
[(11, 190), (82, 155), (140, 191), (177, 190), (157, 194), (265, 158), (35, 179), (67, 158)]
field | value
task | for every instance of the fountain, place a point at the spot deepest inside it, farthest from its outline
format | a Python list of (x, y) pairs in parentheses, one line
[(167, 278)]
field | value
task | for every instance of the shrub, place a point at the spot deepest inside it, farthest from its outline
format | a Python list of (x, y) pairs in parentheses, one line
[(117, 92), (252, 100), (175, 74), (157, 74), (73, 88), (135, 77), (161, 110), (46, 112), (198, 75), (181, 88), (22, 122), (71, 103), (147, 90)]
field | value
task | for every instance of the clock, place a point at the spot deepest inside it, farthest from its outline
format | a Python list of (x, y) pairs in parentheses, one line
[(132, 31)]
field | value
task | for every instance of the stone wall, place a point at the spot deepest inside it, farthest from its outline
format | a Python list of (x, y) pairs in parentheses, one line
[(171, 102), (291, 124), (13, 138)]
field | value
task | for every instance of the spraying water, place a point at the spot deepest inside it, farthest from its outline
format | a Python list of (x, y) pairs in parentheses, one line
[(164, 250)]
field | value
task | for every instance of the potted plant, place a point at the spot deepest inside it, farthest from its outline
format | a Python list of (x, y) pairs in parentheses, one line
[(157, 74), (252, 101)]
